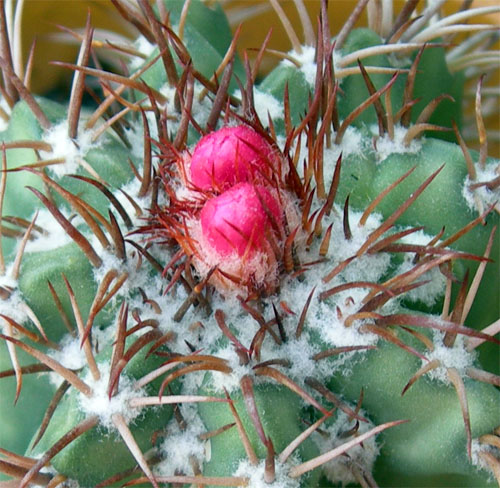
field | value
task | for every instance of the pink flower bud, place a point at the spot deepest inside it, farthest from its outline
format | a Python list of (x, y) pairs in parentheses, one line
[(241, 219), (229, 156)]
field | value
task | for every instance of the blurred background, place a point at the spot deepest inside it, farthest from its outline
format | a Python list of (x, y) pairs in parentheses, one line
[(43, 21)]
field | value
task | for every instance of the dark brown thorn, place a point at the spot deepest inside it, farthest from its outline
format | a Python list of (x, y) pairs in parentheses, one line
[(423, 370), (402, 21), (484, 376), (213, 433), (354, 284), (338, 269), (226, 61), (434, 323), (68, 438), (17, 472), (102, 297), (134, 18), (87, 346), (273, 362), (76, 235), (154, 263), (128, 82), (269, 466), (121, 362), (334, 185), (426, 341), (186, 102), (390, 336), (113, 200), (389, 222), (195, 295), (404, 109), (325, 243), (3, 183), (62, 313), (457, 312), (17, 459), (340, 350), (11, 323), (377, 104), (30, 369), (86, 211), (471, 294), (328, 395), (6, 54), (458, 383), (146, 173), (466, 228), (382, 195), (25, 94), (306, 210), (220, 97), (205, 366), (286, 111), (78, 84), (14, 360), (363, 106), (417, 129), (118, 349), (303, 468), (279, 322), (349, 24), (246, 385), (252, 457), (117, 236), (303, 314), (50, 411), (431, 107), (291, 385), (481, 129), (345, 221), (410, 83), (121, 424), (260, 55), (220, 319), (161, 40), (54, 365)]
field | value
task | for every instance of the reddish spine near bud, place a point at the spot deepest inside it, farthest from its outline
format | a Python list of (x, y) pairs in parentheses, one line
[(232, 155)]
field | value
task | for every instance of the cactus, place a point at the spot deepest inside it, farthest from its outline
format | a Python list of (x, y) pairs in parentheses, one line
[(215, 277)]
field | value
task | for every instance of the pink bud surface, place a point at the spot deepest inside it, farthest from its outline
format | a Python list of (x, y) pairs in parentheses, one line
[(229, 156), (238, 219)]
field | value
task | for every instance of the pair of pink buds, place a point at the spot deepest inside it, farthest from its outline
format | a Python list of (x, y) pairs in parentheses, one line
[(237, 163)]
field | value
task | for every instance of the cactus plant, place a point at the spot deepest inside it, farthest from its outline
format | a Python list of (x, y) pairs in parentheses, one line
[(214, 277)]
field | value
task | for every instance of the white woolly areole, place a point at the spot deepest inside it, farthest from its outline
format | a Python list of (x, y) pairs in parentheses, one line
[(265, 105), (14, 307), (307, 61), (339, 470), (146, 48), (450, 357), (63, 147), (477, 448), (99, 403), (182, 444), (481, 197), (387, 146), (255, 474)]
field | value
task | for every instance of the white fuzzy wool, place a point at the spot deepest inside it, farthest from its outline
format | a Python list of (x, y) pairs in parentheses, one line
[(307, 61), (477, 448), (255, 474), (480, 198), (456, 357), (339, 470), (387, 146), (63, 147), (99, 403)]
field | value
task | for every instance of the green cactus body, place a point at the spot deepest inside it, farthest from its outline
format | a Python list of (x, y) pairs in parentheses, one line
[(313, 301)]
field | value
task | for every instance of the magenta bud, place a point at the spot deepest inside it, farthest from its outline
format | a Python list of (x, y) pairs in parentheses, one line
[(232, 155), (241, 220)]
